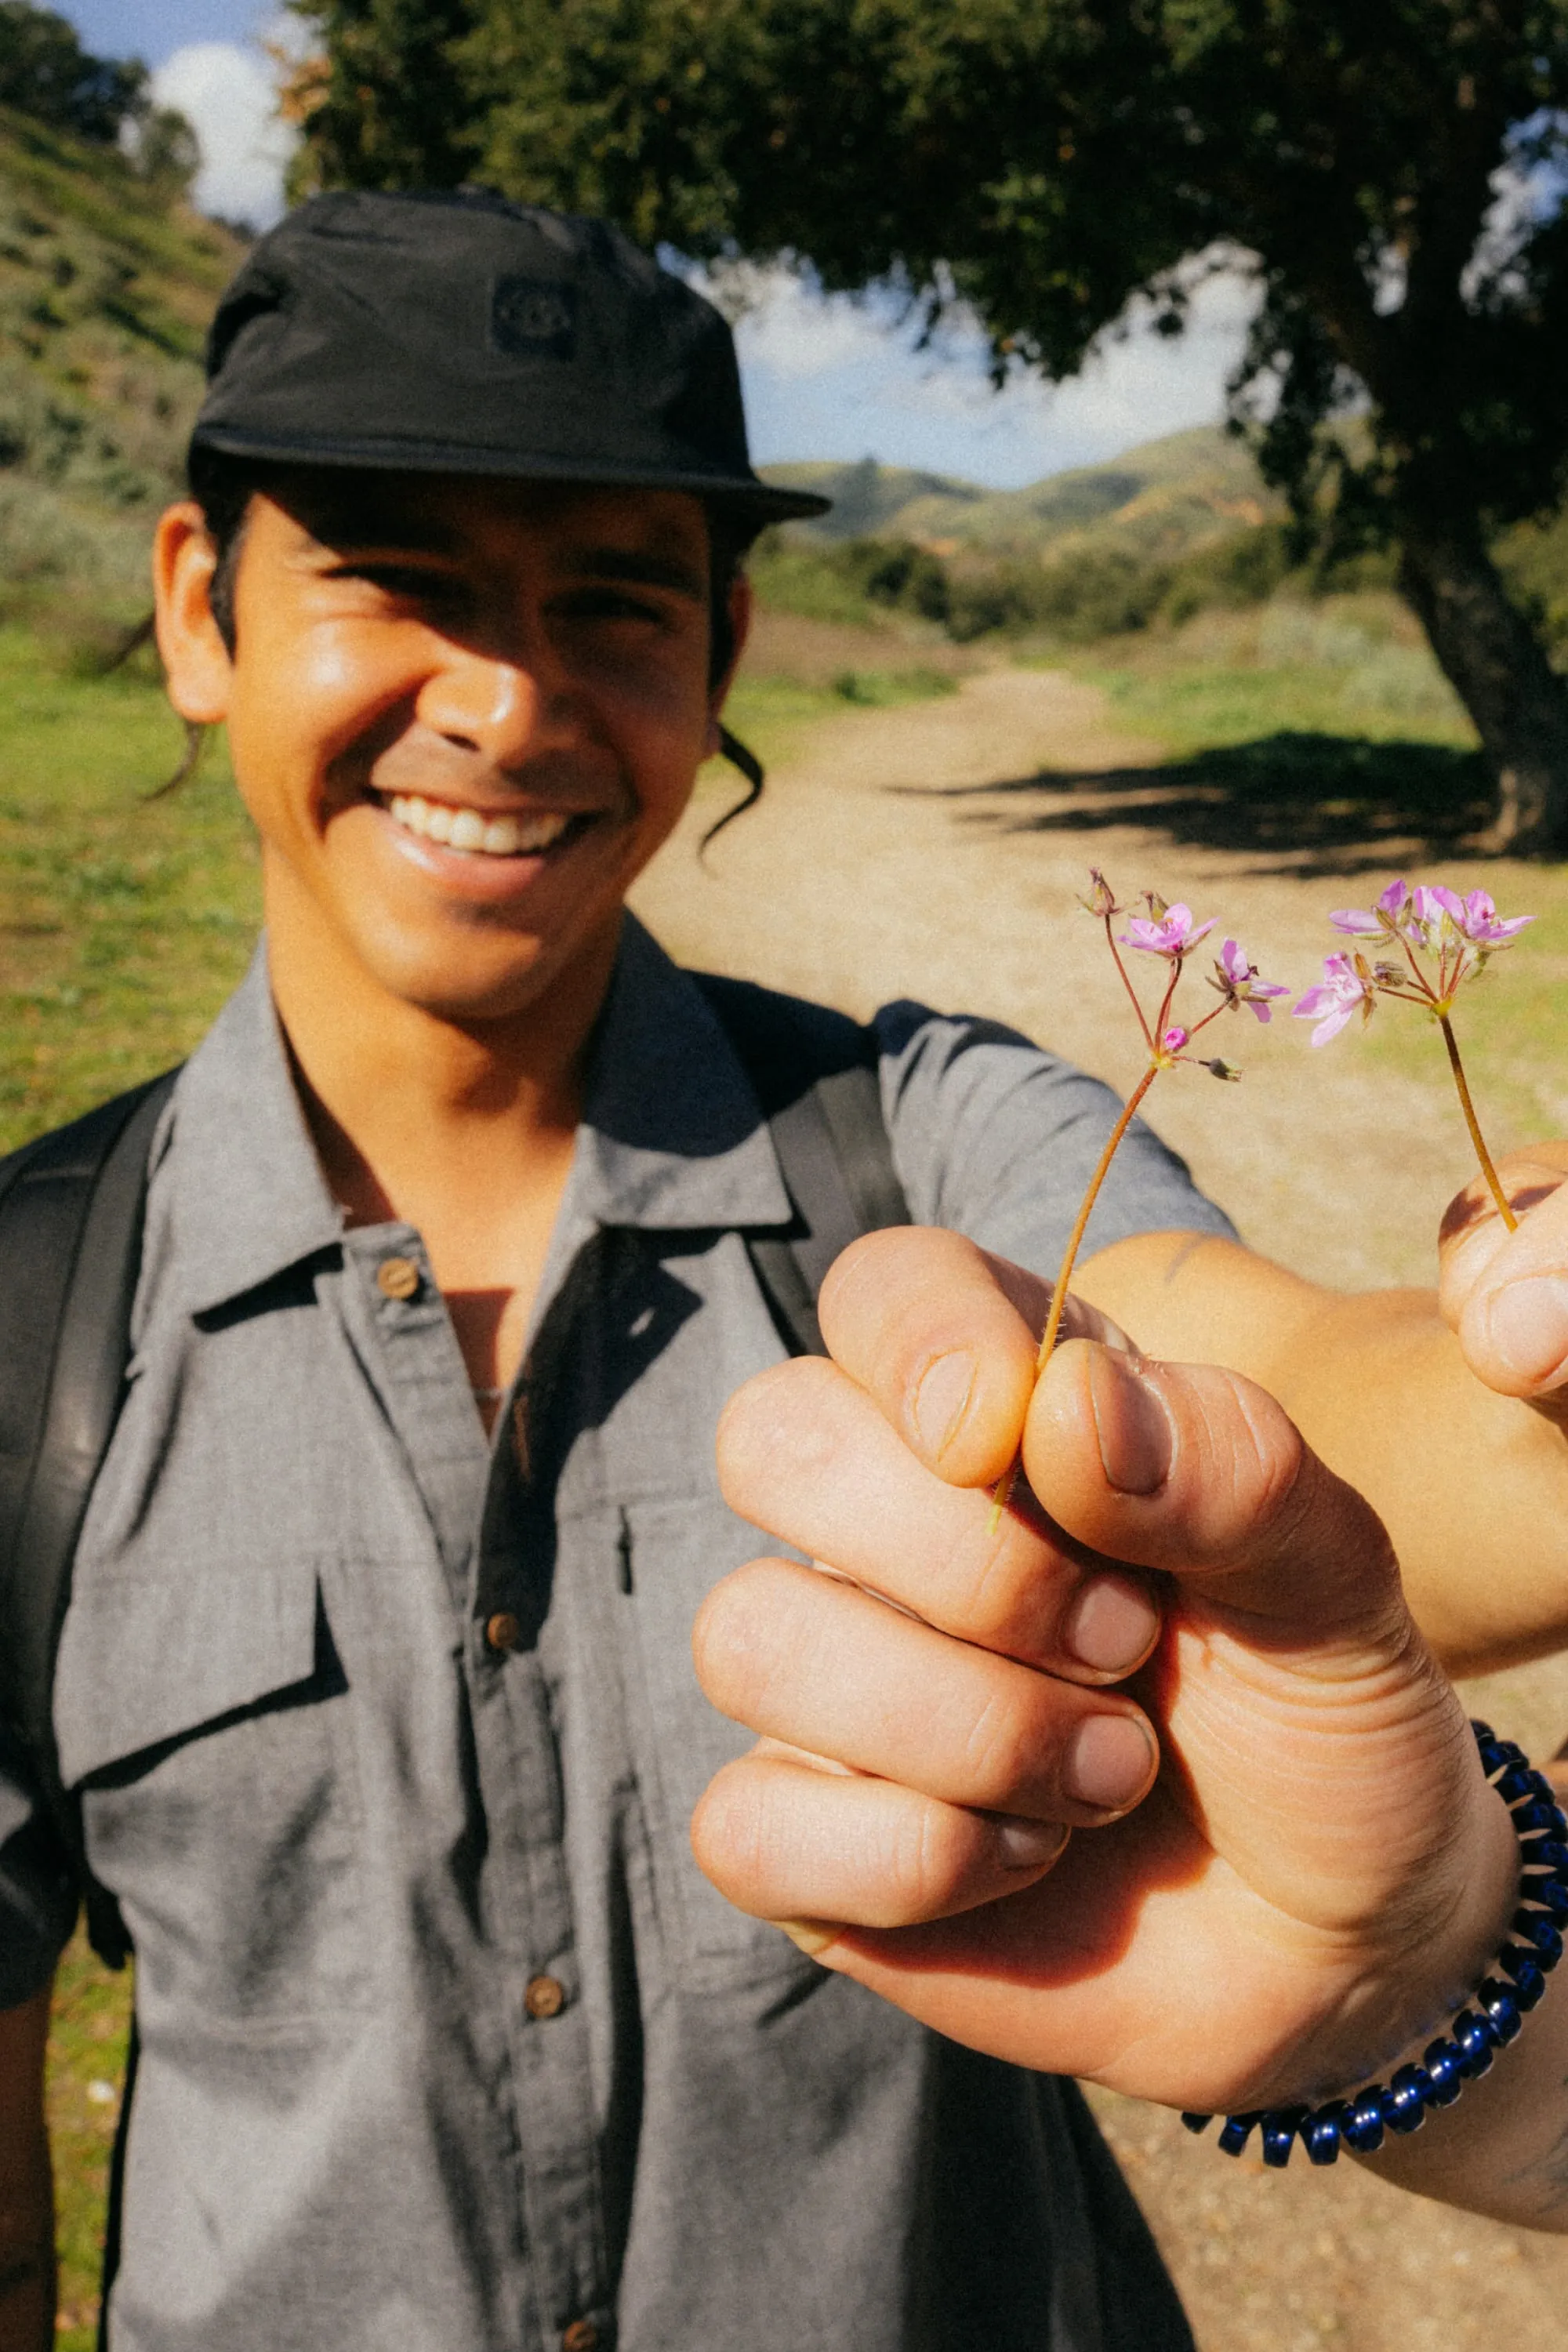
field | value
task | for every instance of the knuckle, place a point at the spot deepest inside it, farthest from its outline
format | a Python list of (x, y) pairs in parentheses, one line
[(1002, 1751)]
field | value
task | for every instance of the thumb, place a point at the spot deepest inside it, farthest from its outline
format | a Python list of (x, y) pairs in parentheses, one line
[(1195, 1471), (1506, 1294)]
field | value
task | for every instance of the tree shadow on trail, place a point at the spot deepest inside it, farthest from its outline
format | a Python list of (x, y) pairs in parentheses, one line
[(1305, 803)]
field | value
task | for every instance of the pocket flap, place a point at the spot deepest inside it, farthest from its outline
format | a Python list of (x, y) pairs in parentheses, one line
[(145, 1660)]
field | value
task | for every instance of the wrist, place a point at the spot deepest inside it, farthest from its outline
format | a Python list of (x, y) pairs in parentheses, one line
[(1495, 2007)]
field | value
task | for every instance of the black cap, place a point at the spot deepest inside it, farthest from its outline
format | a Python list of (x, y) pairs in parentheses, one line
[(458, 332)]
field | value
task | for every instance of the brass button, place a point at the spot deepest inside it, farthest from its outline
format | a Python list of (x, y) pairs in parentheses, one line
[(397, 1277), (502, 1630), (581, 2336), (545, 1996)]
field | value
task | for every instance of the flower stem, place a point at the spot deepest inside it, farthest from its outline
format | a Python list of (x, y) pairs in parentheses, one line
[(1482, 1154), (1002, 1492)]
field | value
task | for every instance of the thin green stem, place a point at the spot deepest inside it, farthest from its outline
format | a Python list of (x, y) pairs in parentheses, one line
[(1003, 1491), (1482, 1154)]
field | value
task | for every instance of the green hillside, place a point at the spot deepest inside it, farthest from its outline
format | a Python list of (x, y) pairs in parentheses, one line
[(106, 286), (1157, 501)]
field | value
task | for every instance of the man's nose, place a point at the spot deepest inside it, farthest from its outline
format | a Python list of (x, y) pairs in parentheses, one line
[(507, 710)]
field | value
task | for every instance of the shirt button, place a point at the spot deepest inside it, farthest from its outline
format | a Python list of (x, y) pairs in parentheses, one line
[(581, 2336), (502, 1630), (544, 1997), (397, 1277)]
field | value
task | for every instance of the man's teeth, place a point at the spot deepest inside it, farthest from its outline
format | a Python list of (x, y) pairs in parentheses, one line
[(466, 828)]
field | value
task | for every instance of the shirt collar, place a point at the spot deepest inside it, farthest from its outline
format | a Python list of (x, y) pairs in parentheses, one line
[(671, 1134)]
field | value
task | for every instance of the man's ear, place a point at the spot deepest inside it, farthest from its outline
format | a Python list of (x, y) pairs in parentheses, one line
[(742, 605), (196, 660)]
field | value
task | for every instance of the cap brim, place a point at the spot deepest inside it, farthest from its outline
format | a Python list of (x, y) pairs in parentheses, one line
[(749, 498)]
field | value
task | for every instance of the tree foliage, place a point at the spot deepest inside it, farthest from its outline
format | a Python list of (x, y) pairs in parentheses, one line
[(46, 73), (1389, 168)]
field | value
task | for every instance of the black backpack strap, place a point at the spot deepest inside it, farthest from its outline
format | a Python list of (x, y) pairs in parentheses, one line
[(814, 1073), (70, 1247)]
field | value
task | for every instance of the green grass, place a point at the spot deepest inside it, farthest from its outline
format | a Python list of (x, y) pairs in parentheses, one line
[(87, 2070), (123, 923)]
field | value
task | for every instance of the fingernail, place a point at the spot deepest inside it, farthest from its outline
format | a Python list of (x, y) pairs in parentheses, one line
[(812, 1936), (1025, 1845), (1527, 1323), (1131, 1423), (1113, 1625), (1110, 1762), (941, 1399)]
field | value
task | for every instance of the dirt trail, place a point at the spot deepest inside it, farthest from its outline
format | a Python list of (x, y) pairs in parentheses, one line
[(889, 858)]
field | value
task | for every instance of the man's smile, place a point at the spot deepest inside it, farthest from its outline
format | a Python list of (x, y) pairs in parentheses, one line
[(482, 831)]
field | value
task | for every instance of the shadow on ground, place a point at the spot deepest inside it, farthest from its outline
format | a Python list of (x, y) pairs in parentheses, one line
[(1329, 803)]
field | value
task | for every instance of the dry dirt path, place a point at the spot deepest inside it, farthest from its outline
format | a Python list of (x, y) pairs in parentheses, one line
[(887, 861)]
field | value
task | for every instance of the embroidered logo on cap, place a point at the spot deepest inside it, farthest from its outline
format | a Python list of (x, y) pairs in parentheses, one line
[(533, 318)]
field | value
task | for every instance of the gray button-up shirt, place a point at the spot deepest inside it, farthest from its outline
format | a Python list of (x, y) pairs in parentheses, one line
[(445, 2044)]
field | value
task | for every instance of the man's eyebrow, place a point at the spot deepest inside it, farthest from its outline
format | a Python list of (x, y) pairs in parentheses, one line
[(641, 570), (355, 529)]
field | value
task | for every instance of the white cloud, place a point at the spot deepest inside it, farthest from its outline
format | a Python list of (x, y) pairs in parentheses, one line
[(228, 93), (837, 376)]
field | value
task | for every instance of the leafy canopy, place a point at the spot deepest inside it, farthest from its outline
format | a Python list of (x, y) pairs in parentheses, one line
[(1044, 160)]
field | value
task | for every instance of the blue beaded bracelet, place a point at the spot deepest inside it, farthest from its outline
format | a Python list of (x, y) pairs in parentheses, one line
[(1466, 2051)]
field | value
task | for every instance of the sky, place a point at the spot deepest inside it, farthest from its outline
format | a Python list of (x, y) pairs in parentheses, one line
[(831, 379)]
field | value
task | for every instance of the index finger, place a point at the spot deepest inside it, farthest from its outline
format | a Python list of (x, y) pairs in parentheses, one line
[(942, 1336)]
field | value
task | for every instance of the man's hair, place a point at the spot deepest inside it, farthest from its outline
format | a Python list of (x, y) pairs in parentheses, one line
[(223, 486)]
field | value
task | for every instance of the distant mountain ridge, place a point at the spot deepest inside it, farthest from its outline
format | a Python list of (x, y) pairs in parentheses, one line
[(1157, 501)]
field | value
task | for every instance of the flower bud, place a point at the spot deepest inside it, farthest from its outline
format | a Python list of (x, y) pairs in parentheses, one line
[(1222, 1069), (1100, 900)]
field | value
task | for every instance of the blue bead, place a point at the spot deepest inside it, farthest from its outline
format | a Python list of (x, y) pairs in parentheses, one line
[(1235, 2131), (1405, 2101), (1549, 1892), (1535, 1927), (1363, 2132), (1197, 2123), (1547, 1853), (1482, 1730), (1321, 2130), (1280, 2128), (1443, 2062), (1519, 1781), (1511, 1750), (1502, 2010), (1529, 1981), (1476, 2040), (1537, 1814)]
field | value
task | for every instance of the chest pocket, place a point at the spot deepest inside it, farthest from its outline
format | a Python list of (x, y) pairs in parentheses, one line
[(204, 1717), (677, 1550)]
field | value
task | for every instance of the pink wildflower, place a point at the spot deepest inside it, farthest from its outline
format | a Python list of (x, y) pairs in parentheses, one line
[(1346, 985), (1239, 983), (1386, 919), (1172, 935), (1175, 1039), (1478, 921)]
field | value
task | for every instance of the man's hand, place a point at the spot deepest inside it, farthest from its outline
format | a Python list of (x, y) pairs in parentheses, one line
[(1506, 1294), (1318, 1871)]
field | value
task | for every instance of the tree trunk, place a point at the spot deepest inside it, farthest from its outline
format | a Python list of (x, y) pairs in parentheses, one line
[(1497, 667)]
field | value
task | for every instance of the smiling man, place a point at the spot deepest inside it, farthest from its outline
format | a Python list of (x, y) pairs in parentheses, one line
[(464, 1225)]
